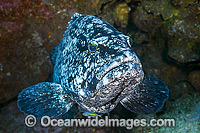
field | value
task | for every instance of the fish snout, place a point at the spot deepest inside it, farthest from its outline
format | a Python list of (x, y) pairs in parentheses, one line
[(115, 79), (119, 82)]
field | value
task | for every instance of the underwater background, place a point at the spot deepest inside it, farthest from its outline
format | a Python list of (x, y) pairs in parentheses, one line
[(166, 36)]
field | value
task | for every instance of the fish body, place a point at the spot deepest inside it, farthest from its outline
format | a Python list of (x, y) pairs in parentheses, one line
[(91, 114), (95, 67)]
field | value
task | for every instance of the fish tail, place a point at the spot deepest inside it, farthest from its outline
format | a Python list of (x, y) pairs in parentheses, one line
[(99, 116)]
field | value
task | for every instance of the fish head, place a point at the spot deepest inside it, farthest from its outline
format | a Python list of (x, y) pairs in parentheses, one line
[(101, 65)]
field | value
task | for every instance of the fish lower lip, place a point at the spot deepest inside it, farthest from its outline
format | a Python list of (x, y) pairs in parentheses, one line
[(118, 60), (115, 81), (115, 85)]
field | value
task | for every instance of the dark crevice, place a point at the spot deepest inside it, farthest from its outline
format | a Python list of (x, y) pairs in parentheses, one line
[(134, 3), (172, 99), (102, 7), (151, 13), (185, 81), (8, 102), (161, 17), (168, 59), (162, 111)]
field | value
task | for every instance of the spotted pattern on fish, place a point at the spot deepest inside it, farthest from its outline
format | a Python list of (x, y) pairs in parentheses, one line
[(81, 70), (97, 81)]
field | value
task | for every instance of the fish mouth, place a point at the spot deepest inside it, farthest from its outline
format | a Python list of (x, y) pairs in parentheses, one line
[(114, 80), (110, 94), (119, 59)]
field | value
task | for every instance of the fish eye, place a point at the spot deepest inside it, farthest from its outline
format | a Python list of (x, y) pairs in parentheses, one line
[(92, 48)]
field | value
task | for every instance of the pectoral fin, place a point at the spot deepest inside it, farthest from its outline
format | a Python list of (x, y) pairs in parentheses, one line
[(148, 98), (44, 99)]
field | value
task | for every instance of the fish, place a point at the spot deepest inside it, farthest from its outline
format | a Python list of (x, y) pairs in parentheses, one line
[(96, 68), (91, 114)]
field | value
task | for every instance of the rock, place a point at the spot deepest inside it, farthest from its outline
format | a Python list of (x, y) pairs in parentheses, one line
[(178, 25), (146, 22), (183, 34), (194, 78), (181, 88), (116, 13), (150, 15), (14, 13), (107, 12), (121, 12), (183, 51), (24, 64), (140, 38), (183, 3), (185, 112), (159, 7)]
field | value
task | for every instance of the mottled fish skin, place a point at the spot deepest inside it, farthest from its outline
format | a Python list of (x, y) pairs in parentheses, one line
[(96, 81)]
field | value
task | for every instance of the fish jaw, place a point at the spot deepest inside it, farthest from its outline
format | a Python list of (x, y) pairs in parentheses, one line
[(114, 80), (120, 58), (109, 95), (119, 81)]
